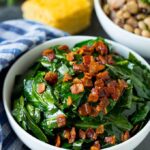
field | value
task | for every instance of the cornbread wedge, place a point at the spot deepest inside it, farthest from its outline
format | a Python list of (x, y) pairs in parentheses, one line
[(69, 15)]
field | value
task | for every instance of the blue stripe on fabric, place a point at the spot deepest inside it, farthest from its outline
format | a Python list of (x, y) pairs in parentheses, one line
[(27, 42), (3, 61), (2, 39), (48, 33), (14, 51), (12, 28)]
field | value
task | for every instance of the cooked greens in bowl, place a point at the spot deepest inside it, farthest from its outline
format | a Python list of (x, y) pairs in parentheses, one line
[(83, 97)]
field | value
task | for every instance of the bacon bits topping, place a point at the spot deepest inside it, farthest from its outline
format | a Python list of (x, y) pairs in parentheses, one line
[(51, 77), (77, 88), (110, 140), (87, 60), (90, 133), (100, 129), (103, 75), (72, 135), (58, 141), (94, 95), (79, 67), (61, 120), (85, 109), (82, 134), (49, 53), (67, 77), (125, 136), (96, 146), (69, 101), (64, 48), (101, 48), (41, 88), (70, 56), (66, 134)]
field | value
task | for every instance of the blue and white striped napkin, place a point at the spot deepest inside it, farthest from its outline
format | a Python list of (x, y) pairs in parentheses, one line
[(16, 37)]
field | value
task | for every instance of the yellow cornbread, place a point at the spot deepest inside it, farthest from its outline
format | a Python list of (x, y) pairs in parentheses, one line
[(69, 15)]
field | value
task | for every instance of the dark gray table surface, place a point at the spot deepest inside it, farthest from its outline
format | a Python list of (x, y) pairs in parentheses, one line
[(95, 30)]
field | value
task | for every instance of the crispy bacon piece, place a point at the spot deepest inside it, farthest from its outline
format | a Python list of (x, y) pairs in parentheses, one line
[(94, 95), (72, 135), (86, 80), (125, 136), (70, 56), (103, 75), (76, 80), (101, 48), (87, 75), (41, 88), (110, 59), (82, 134), (58, 141), (95, 67), (85, 109), (79, 67), (110, 139), (90, 133), (87, 60), (122, 85), (69, 101), (94, 112), (64, 48), (99, 83), (49, 53), (104, 102), (67, 77), (61, 120), (85, 50), (102, 59), (77, 88), (96, 146), (66, 134), (51, 77), (100, 129)]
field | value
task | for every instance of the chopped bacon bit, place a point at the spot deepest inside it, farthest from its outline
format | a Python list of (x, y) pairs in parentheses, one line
[(69, 101), (70, 56), (51, 77), (85, 50), (94, 95), (66, 134), (103, 75), (58, 141), (125, 136), (76, 80), (87, 60), (94, 112), (61, 120), (64, 48), (90, 133), (99, 83), (95, 67), (72, 135), (82, 134), (87, 75), (67, 77), (122, 85), (102, 59), (104, 102), (96, 146), (86, 82), (85, 109), (110, 140), (41, 88), (100, 129), (49, 53), (79, 67), (110, 59), (77, 88), (101, 48)]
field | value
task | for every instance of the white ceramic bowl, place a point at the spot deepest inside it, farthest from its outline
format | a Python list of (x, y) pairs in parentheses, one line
[(27, 60), (137, 43)]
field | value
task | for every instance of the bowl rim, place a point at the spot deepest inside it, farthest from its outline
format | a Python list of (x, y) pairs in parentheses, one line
[(9, 114), (97, 5)]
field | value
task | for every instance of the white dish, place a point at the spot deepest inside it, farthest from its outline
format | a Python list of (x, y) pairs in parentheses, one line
[(24, 62), (137, 43)]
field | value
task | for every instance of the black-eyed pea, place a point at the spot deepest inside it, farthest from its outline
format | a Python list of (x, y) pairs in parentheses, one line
[(140, 16), (115, 4), (147, 21), (142, 25), (119, 14), (137, 31), (128, 27), (146, 33), (126, 15), (106, 9), (132, 7), (132, 21)]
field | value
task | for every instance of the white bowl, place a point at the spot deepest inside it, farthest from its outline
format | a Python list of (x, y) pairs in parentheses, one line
[(137, 43), (27, 60)]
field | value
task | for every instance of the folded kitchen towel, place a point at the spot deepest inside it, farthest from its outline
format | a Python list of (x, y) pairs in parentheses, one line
[(17, 37)]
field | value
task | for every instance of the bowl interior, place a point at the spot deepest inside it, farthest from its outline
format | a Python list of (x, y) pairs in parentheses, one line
[(24, 62)]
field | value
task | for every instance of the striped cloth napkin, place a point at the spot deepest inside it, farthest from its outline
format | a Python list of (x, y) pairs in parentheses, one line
[(17, 37)]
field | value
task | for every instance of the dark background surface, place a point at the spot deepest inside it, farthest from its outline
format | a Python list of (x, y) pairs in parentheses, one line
[(94, 30)]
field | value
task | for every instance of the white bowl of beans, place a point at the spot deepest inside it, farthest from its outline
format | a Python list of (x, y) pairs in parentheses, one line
[(126, 24)]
